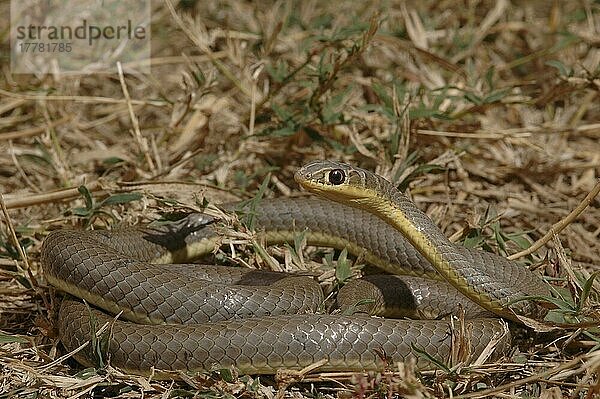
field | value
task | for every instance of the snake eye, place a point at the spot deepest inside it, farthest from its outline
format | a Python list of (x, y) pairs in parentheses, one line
[(337, 177)]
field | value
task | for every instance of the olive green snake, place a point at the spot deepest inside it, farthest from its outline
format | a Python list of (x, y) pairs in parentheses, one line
[(171, 319)]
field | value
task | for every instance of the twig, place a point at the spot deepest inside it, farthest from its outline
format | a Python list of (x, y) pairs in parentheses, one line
[(17, 244), (20, 169), (252, 110), (137, 134), (69, 193), (81, 99), (488, 392), (480, 33), (355, 53), (13, 235), (33, 131), (206, 50), (558, 227)]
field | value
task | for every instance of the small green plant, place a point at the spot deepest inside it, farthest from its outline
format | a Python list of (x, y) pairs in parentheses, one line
[(323, 103), (93, 209), (478, 237), (342, 266)]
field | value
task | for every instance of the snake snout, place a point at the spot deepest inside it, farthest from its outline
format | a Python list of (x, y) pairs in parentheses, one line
[(334, 180)]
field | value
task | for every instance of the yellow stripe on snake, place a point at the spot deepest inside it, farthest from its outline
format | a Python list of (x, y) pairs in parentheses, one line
[(190, 324)]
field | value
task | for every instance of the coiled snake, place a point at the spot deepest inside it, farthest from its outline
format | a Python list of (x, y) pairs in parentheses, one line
[(187, 323)]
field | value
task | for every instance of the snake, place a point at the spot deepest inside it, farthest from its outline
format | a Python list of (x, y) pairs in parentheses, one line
[(164, 318)]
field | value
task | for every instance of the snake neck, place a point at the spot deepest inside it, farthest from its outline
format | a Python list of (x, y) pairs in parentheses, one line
[(397, 210)]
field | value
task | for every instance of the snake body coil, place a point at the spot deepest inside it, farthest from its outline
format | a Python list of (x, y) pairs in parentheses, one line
[(193, 325)]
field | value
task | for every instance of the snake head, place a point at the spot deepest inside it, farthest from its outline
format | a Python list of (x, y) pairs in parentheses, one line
[(334, 180)]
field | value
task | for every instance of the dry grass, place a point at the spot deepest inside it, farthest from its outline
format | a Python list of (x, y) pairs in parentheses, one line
[(487, 111)]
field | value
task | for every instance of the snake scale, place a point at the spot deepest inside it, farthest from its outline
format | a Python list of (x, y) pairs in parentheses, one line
[(171, 319)]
